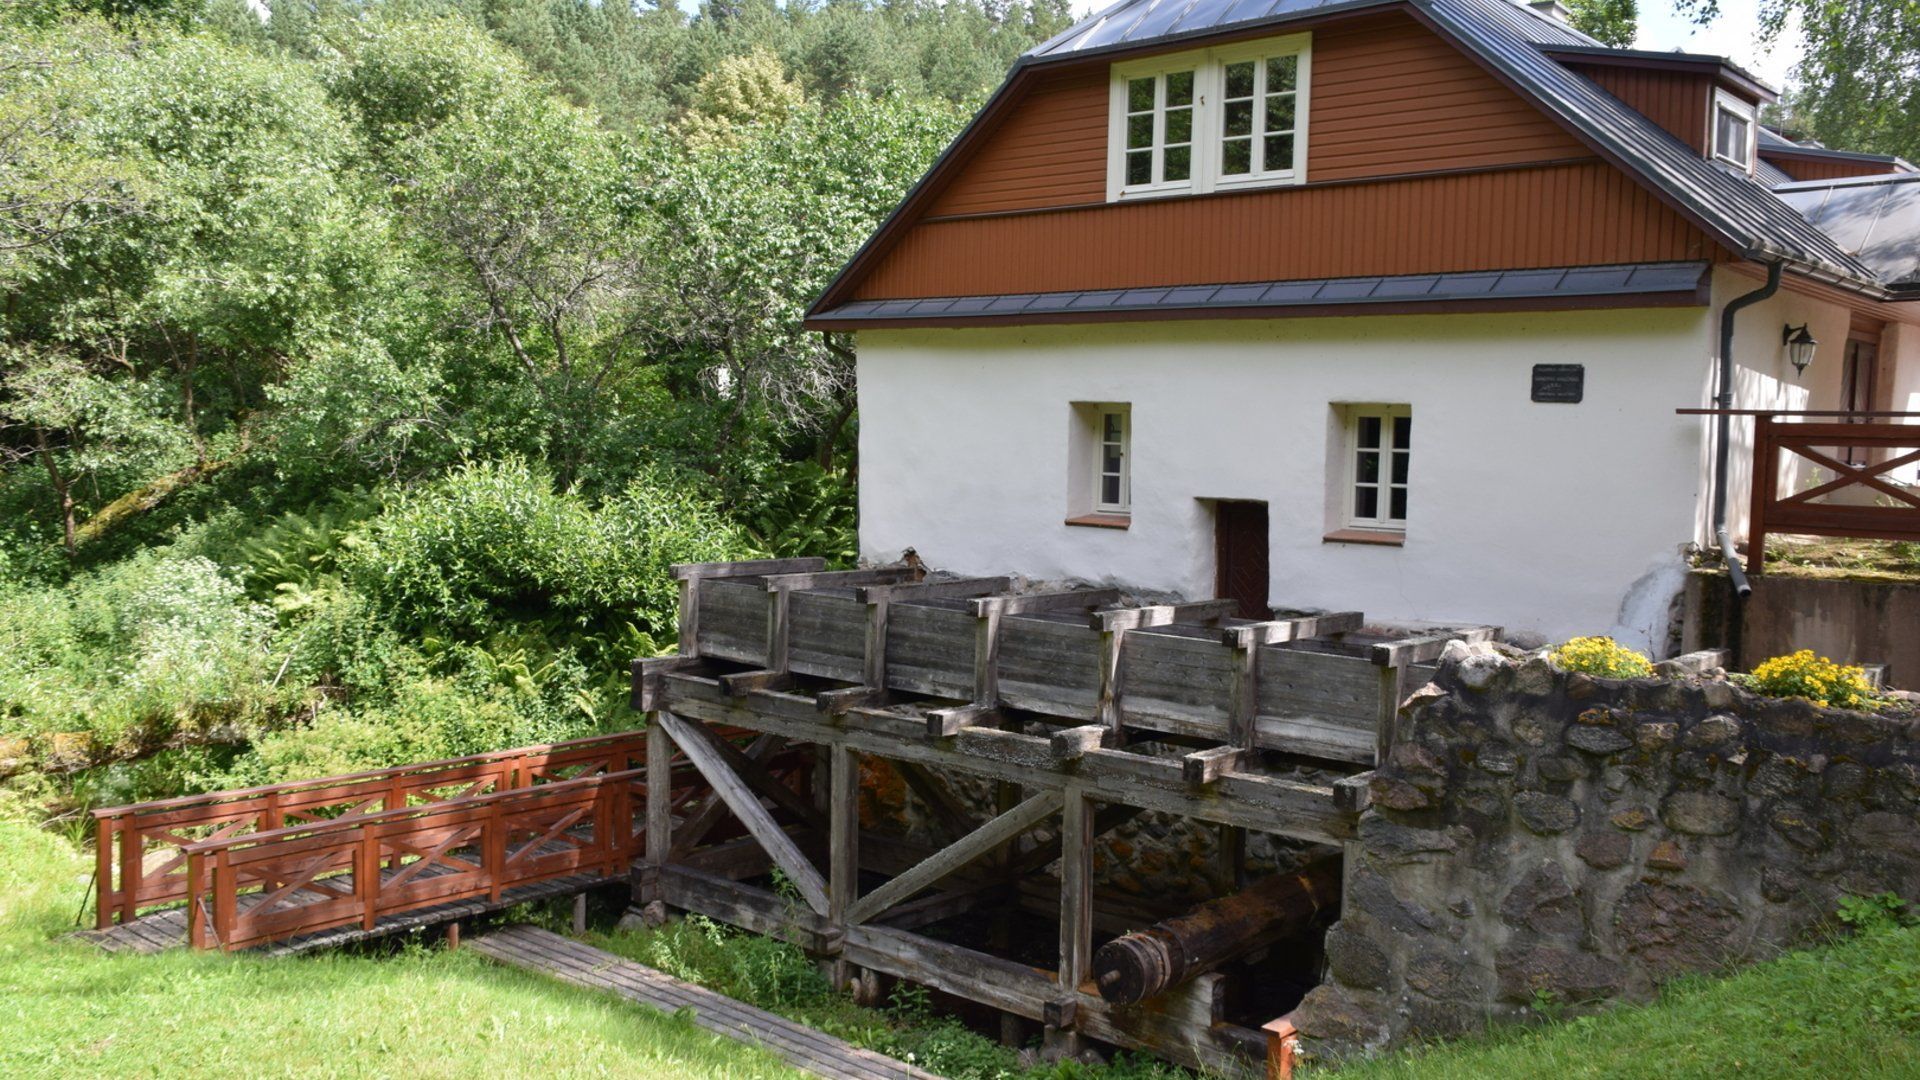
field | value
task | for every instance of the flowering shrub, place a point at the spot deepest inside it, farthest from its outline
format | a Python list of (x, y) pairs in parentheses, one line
[(1602, 656), (1816, 678)]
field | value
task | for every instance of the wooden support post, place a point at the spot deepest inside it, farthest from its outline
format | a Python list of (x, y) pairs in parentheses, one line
[(1076, 922), (779, 603), (1244, 697), (873, 668), (987, 613), (659, 812), (843, 848), (453, 935), (579, 914), (689, 623), (746, 806), (1233, 856)]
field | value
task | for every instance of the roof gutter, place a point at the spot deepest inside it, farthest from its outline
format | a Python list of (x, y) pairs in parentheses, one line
[(1723, 428)]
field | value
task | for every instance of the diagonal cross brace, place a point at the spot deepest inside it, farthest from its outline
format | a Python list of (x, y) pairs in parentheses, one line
[(956, 856), (745, 805)]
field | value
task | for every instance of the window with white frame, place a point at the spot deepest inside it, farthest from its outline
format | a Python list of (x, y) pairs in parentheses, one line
[(1379, 451), (1732, 130), (1113, 479), (1159, 129), (1217, 118)]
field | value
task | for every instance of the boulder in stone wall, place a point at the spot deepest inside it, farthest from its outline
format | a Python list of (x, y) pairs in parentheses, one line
[(1355, 960), (1443, 976), (1543, 902), (1545, 814), (1570, 975), (1348, 1018), (1673, 929), (1604, 850), (1702, 813)]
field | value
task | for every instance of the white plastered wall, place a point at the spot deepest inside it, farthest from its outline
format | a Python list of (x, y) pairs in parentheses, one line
[(1551, 520)]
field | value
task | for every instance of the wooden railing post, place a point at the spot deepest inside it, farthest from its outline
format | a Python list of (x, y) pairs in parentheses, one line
[(198, 896), (133, 870), (494, 833), (366, 881), (104, 898), (224, 900)]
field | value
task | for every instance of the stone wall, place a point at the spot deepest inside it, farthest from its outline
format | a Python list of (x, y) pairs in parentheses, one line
[(1542, 837)]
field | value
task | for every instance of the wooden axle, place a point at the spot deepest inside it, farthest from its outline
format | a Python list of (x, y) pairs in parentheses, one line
[(1150, 962)]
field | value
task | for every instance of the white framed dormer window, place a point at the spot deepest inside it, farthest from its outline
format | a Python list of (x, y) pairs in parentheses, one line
[(1379, 453), (1210, 119), (1113, 464), (1733, 123)]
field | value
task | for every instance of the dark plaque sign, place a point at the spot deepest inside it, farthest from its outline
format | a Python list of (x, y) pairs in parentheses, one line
[(1559, 384)]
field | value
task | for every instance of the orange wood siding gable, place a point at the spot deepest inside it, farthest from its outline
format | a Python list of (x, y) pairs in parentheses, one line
[(1418, 160), (1678, 101)]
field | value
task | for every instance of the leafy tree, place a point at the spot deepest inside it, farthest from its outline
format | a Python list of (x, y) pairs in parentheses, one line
[(744, 92), (1858, 85), (1611, 22)]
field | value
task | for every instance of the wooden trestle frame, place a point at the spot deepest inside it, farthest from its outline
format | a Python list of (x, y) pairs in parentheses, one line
[(948, 678)]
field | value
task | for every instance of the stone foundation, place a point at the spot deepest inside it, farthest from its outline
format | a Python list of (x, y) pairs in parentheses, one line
[(1540, 839)]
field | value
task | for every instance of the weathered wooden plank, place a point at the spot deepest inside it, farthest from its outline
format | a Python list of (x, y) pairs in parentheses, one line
[(732, 620), (1068, 744), (930, 650), (747, 567), (960, 853), (1425, 647), (952, 589), (826, 635), (1068, 600), (946, 723), (1050, 667), (746, 806), (841, 579), (1203, 767), (1297, 682), (1329, 739), (1201, 611)]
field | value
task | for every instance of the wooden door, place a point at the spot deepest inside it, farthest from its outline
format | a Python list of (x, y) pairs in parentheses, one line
[(1858, 387), (1240, 556)]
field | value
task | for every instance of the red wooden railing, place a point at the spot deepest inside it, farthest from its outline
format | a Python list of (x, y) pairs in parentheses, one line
[(1860, 451), (267, 886), (141, 861)]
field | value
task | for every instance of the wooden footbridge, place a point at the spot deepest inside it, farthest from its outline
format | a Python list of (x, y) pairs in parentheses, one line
[(312, 864)]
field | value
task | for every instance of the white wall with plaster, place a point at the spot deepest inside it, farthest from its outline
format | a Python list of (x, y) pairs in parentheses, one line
[(1552, 520)]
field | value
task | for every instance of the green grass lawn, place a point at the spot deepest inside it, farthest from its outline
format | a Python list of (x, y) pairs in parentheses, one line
[(67, 1009), (1851, 1009)]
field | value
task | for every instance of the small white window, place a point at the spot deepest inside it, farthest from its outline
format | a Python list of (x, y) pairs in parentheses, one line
[(1160, 129), (1113, 480), (1732, 130), (1259, 117), (1379, 450)]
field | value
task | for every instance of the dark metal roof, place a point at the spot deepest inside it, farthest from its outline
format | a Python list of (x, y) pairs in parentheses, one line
[(1720, 66), (1772, 142), (1876, 218), (1489, 287)]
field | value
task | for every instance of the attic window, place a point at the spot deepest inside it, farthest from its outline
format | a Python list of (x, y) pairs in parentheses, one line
[(1198, 121), (1732, 130)]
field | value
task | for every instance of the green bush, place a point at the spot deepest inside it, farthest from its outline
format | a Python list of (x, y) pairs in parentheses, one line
[(1602, 656), (493, 542), (134, 653)]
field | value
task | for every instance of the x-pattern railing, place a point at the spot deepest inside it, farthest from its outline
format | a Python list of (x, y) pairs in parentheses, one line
[(140, 848), (1861, 451)]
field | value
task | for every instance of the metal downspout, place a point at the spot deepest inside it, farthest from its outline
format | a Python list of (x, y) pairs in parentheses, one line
[(1723, 429)]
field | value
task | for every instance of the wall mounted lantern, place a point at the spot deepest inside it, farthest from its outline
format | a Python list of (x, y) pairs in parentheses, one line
[(1800, 345)]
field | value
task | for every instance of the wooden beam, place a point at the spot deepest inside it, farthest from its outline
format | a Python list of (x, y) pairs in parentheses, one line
[(944, 905), (841, 579), (1354, 794), (742, 683), (647, 675), (746, 806), (1076, 890), (843, 843), (763, 783), (1026, 603), (1427, 647), (957, 855), (946, 723), (956, 589), (713, 809), (1203, 767), (1274, 632), (1070, 744), (747, 567), (1110, 817), (837, 702), (659, 837), (1138, 618)]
